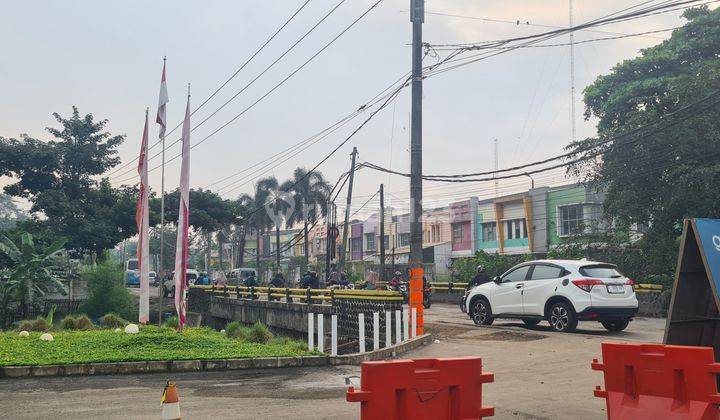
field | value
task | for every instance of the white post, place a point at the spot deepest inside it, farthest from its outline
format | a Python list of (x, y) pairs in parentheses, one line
[(321, 334), (413, 330), (388, 328), (361, 330), (311, 332), (406, 323), (333, 335), (398, 327), (376, 330)]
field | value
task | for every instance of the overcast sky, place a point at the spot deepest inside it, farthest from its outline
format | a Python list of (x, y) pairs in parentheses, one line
[(106, 58)]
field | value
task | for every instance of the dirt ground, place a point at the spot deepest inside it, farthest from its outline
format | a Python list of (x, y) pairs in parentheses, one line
[(539, 374)]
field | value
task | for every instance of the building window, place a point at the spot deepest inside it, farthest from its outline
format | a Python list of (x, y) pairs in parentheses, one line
[(458, 234), (356, 245), (515, 229), (386, 240), (403, 240), (489, 232), (436, 233), (370, 241), (570, 219)]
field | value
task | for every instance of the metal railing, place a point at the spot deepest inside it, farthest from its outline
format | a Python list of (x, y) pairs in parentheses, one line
[(299, 295)]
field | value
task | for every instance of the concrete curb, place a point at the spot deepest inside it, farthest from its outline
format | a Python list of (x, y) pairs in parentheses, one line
[(125, 368)]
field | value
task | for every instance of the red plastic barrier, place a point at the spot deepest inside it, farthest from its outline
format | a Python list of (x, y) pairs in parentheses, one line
[(422, 389), (654, 381)]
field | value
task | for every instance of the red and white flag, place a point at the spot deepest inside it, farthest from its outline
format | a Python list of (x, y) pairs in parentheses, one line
[(181, 250), (142, 219), (161, 117)]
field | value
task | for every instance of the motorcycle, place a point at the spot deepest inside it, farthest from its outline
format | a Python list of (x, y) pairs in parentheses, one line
[(427, 295)]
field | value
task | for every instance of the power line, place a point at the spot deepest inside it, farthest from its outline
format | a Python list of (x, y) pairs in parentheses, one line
[(215, 92), (282, 82)]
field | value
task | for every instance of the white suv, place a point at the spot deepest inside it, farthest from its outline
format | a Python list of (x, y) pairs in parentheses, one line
[(560, 291)]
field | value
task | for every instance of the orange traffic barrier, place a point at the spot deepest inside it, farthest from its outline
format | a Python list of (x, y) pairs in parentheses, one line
[(170, 402), (654, 381), (422, 389), (416, 297)]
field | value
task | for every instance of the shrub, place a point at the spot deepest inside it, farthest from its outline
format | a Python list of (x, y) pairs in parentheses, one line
[(68, 323), (107, 292), (112, 320), (82, 322), (259, 333), (37, 324), (171, 322), (234, 329)]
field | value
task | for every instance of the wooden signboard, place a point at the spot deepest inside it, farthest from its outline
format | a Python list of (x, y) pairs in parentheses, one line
[(693, 318)]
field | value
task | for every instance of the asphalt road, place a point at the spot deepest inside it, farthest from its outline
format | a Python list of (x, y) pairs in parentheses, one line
[(538, 374)]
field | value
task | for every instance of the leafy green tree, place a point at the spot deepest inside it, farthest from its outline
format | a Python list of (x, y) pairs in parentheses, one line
[(655, 178), (107, 292), (310, 192), (10, 214), (30, 275), (59, 179)]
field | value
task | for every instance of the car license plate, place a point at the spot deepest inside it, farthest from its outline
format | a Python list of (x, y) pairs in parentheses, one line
[(616, 288)]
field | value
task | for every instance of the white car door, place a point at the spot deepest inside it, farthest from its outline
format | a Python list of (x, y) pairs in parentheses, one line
[(507, 298), (539, 286)]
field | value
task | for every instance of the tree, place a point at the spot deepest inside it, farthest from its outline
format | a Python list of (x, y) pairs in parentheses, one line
[(208, 212), (30, 274), (656, 178), (10, 214), (58, 177), (310, 192), (107, 292)]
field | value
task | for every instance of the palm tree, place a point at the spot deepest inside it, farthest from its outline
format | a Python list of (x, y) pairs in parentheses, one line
[(30, 275), (261, 221), (310, 191)]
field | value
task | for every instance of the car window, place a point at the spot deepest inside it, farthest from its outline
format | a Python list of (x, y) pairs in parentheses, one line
[(603, 271), (516, 275), (542, 272)]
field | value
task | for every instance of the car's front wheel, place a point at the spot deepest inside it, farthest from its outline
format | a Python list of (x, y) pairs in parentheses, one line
[(480, 312), (615, 325), (562, 318)]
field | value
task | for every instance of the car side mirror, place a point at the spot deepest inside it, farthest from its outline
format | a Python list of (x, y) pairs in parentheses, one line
[(497, 280)]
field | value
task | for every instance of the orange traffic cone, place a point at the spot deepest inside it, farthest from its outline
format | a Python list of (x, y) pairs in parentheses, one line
[(170, 403)]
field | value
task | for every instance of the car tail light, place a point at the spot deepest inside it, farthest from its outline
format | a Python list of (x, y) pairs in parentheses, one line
[(587, 284), (631, 284)]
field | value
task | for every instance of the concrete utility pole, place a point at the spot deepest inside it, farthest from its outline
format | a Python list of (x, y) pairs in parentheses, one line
[(343, 250), (417, 17), (572, 76), (382, 232)]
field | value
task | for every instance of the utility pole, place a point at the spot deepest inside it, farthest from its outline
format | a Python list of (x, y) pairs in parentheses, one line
[(382, 232), (328, 247), (572, 76), (343, 250), (417, 17)]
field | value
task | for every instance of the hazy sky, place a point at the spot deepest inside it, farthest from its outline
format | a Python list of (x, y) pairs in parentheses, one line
[(106, 57)]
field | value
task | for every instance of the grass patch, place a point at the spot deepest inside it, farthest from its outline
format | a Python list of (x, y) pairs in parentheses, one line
[(151, 343)]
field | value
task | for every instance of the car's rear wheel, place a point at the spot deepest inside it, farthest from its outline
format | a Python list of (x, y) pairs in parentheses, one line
[(531, 322), (562, 318), (480, 312), (615, 325)]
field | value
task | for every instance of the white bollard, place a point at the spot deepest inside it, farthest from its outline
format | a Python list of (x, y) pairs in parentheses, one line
[(406, 323), (361, 331), (398, 327), (413, 330), (376, 330), (333, 335), (321, 334), (311, 332), (388, 328)]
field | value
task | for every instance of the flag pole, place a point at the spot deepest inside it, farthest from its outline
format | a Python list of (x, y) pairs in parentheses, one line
[(162, 222)]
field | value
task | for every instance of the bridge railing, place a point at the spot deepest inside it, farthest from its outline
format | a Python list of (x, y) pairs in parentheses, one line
[(300, 295)]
